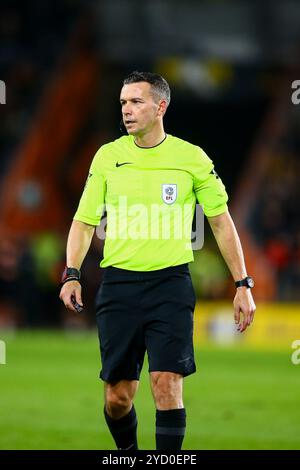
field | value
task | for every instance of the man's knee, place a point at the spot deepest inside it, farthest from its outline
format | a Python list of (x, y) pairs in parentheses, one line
[(118, 398), (167, 390)]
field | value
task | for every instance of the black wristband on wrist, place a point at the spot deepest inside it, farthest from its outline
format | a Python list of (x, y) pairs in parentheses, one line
[(246, 282), (70, 274)]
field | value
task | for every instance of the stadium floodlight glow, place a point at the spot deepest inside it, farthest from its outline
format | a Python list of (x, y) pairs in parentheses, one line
[(2, 92)]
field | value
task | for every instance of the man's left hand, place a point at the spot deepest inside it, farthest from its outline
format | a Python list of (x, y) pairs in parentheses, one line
[(244, 308)]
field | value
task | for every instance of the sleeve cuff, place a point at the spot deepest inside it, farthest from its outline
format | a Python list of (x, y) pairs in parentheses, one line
[(86, 220), (216, 211)]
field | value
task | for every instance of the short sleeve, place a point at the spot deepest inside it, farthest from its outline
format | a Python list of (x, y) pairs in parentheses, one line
[(208, 187), (91, 204)]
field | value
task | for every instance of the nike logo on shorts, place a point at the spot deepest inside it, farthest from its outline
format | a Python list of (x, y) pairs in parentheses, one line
[(184, 360), (127, 448)]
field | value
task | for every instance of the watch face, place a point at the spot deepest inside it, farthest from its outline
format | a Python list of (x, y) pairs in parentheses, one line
[(250, 282)]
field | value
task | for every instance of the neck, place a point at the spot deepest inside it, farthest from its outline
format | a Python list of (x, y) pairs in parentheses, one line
[(150, 139)]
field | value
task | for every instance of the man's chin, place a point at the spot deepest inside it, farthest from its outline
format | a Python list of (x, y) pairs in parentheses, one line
[(131, 131)]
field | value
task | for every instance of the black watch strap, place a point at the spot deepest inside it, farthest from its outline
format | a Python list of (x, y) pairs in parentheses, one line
[(246, 282), (70, 274)]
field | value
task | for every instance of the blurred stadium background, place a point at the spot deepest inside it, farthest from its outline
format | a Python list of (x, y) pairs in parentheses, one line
[(230, 65)]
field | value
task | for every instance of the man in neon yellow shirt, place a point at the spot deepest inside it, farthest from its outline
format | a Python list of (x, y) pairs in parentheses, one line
[(148, 182)]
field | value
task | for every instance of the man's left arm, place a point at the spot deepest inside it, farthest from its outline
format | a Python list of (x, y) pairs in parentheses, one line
[(229, 244)]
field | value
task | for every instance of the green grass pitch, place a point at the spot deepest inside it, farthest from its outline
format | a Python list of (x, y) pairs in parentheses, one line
[(51, 397)]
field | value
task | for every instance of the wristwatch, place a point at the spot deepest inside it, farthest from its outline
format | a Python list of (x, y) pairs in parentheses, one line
[(70, 274), (246, 282)]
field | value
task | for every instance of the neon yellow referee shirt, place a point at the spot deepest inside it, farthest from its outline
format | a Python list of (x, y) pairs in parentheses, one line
[(149, 195)]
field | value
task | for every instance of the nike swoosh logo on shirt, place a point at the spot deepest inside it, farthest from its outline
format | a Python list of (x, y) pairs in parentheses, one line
[(125, 163)]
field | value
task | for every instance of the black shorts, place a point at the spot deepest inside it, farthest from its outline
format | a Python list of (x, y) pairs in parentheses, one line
[(145, 311)]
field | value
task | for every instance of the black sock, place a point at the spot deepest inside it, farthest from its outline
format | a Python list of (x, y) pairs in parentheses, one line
[(123, 430), (170, 429)]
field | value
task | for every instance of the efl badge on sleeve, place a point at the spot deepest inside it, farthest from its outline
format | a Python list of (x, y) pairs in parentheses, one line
[(169, 193)]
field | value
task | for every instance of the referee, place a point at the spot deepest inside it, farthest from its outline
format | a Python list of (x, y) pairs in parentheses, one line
[(148, 182)]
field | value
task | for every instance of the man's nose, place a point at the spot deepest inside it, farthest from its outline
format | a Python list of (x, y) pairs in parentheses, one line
[(127, 109)]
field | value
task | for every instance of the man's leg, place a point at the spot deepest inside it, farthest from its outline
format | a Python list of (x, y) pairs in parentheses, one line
[(120, 413), (170, 413)]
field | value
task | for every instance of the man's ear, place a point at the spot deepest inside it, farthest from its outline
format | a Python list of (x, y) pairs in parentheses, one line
[(162, 107)]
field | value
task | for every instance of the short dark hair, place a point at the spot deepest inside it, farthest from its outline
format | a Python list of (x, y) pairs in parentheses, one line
[(159, 85)]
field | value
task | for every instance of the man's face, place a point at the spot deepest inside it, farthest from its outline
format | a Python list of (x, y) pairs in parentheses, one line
[(140, 111)]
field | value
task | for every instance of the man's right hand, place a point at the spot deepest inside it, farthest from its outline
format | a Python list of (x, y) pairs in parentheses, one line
[(71, 289)]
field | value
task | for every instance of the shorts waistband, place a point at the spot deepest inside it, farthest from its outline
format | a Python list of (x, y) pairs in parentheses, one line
[(114, 274)]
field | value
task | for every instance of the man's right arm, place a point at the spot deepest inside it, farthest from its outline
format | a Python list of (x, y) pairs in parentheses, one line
[(79, 241)]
